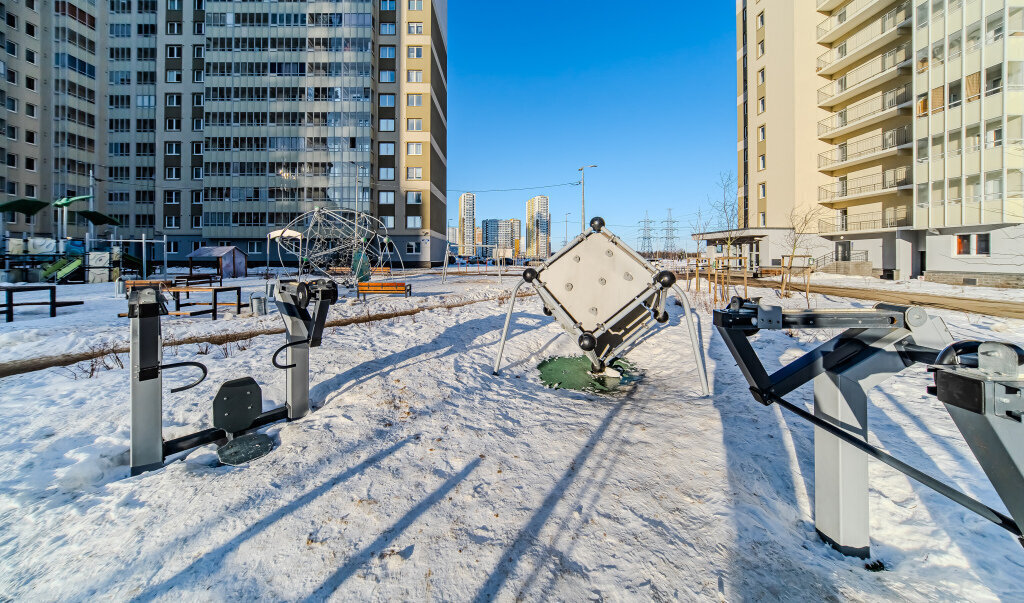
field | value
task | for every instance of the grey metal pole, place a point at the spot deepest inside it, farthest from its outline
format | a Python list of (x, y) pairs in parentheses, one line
[(508, 320), (144, 271), (164, 268), (698, 345), (92, 207)]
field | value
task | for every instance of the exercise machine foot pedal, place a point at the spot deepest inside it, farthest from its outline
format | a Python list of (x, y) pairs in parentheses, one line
[(245, 448)]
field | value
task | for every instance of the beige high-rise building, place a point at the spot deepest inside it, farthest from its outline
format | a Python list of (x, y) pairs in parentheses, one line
[(467, 224), (538, 228), (905, 129), (777, 144)]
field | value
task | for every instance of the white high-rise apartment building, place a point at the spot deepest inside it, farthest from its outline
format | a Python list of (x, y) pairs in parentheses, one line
[(467, 224), (538, 228)]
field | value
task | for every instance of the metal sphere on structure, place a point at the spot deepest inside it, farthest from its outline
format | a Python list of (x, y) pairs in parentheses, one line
[(343, 245)]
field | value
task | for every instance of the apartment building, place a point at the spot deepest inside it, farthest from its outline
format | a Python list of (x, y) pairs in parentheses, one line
[(467, 224), (500, 238), (214, 122), (777, 144), (918, 106), (52, 99), (538, 228)]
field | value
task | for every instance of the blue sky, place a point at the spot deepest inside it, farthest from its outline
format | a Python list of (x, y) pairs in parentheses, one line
[(536, 89)]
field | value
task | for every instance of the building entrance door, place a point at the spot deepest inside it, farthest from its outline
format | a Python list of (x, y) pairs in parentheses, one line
[(842, 251)]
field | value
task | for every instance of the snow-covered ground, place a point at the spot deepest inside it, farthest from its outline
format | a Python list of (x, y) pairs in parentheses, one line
[(421, 476), (910, 286)]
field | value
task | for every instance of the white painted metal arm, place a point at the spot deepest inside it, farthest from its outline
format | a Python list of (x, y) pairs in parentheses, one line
[(698, 345), (508, 321)]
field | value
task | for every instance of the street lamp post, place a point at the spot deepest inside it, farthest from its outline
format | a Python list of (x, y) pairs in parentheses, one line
[(565, 241), (583, 197)]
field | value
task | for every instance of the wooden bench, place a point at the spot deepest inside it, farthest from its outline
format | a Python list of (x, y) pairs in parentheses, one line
[(381, 270), (214, 305), (9, 304), (385, 288), (158, 283), (189, 280)]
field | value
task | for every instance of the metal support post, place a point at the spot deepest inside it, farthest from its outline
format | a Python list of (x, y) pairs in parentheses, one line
[(145, 308)]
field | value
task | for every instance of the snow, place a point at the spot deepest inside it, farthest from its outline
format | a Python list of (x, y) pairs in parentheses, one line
[(419, 475), (912, 285)]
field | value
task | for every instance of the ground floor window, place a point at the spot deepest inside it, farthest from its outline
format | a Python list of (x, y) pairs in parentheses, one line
[(973, 244)]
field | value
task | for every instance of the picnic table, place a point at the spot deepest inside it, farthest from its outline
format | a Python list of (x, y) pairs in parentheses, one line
[(53, 303), (145, 282), (214, 304)]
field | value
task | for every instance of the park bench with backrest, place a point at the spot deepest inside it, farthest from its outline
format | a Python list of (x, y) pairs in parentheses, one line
[(384, 288)]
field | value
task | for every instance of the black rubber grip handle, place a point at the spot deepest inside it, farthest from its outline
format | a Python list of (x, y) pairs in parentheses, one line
[(273, 359)]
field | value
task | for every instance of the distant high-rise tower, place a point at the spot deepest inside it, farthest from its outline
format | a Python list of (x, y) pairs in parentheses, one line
[(467, 224), (538, 227), (489, 237)]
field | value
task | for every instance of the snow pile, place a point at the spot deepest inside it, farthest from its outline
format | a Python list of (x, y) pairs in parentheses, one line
[(419, 475)]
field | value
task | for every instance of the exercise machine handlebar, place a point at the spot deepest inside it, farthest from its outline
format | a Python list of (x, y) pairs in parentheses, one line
[(197, 365), (292, 344)]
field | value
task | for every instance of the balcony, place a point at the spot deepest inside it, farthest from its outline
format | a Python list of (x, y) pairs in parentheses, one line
[(866, 186), (824, 6), (875, 35), (873, 72), (845, 19), (897, 218), (887, 143), (869, 111)]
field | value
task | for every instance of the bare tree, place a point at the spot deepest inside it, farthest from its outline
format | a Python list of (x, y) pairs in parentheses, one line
[(803, 228), (726, 215)]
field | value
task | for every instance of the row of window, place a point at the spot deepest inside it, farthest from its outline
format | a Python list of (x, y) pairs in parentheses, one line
[(149, 7), (411, 173), (148, 30), (412, 52), (148, 149), (171, 51), (953, 143), (390, 4)]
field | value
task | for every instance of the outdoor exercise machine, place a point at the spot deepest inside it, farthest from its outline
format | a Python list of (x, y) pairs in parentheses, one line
[(980, 385), (606, 297), (237, 408)]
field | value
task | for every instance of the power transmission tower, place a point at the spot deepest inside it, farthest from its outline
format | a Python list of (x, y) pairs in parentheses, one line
[(646, 238), (670, 233)]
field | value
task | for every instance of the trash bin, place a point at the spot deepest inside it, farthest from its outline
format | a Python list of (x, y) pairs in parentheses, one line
[(257, 304), (119, 287)]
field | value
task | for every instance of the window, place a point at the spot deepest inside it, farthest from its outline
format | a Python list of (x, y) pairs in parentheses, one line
[(387, 125), (198, 76), (415, 28), (414, 173), (761, 162), (172, 100), (762, 190), (30, 56), (414, 148), (760, 48), (982, 244), (760, 77), (414, 100), (386, 100), (415, 4), (30, 164), (414, 76), (993, 133), (386, 198), (762, 219), (30, 109), (415, 52), (387, 173), (173, 76), (172, 124), (254, 247), (414, 125), (197, 149), (172, 148), (198, 51), (197, 172), (197, 99), (197, 124), (173, 51), (172, 247), (197, 197), (30, 136), (387, 4), (197, 222), (386, 148), (760, 133), (172, 197), (414, 222), (413, 198), (387, 52), (963, 244), (760, 105), (760, 20), (174, 28), (199, 28), (387, 76), (172, 173), (172, 221), (387, 29)]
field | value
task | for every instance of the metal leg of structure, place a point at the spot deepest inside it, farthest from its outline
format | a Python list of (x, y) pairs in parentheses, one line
[(508, 321), (698, 347)]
